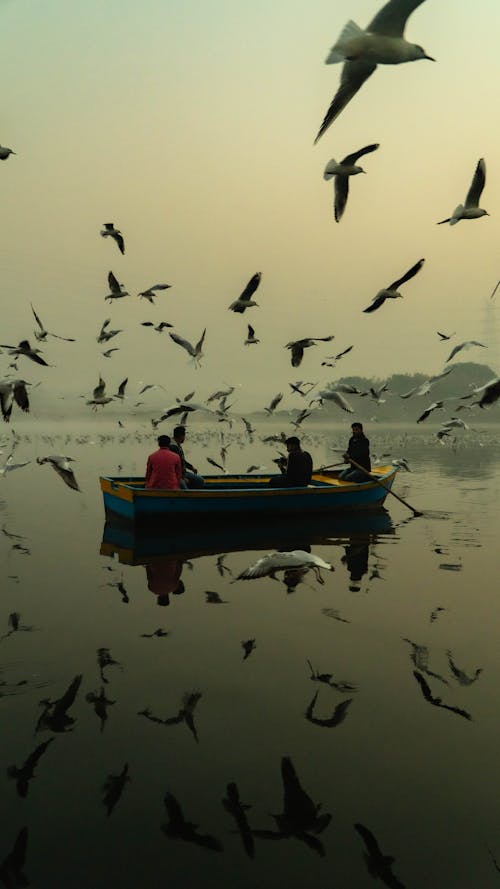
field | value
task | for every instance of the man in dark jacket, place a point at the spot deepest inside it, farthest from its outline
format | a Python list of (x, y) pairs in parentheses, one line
[(359, 450), (298, 471)]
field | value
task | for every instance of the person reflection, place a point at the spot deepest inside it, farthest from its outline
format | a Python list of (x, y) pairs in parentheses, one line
[(164, 578), (356, 560)]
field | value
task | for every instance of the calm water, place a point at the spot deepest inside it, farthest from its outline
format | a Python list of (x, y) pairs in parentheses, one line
[(411, 611)]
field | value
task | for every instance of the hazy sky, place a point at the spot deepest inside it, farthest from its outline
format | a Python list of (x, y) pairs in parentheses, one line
[(191, 127)]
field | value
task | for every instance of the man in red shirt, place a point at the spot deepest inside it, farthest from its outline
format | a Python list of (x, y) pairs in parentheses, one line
[(164, 468)]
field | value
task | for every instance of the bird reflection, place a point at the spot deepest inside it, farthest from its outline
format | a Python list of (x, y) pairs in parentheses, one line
[(221, 568), (248, 646), (292, 577), (334, 613), (237, 809), (119, 585), (437, 701), (159, 633), (177, 828), (327, 679), (435, 614), (101, 703), (420, 658), (15, 626), (213, 598), (379, 865), (338, 715), (113, 788), (11, 869), (26, 772), (105, 660), (460, 675), (184, 714), (54, 716), (300, 816)]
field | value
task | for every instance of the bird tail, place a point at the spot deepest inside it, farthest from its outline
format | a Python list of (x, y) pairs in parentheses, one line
[(330, 169), (456, 214), (339, 49)]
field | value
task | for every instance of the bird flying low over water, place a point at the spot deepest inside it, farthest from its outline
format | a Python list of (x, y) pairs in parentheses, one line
[(274, 403), (381, 43), (471, 208), (297, 347), (158, 327), (436, 405), (25, 349), (245, 300), (338, 399), (61, 465), (42, 334), (109, 231), (391, 292), (194, 351), (116, 290), (268, 565), (342, 171), (150, 293), (490, 393), (104, 334), (251, 339), (465, 345)]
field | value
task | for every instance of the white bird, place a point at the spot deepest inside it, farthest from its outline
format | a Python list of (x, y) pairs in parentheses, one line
[(105, 334), (61, 465), (268, 565), (151, 386), (150, 293), (13, 391), (376, 394), (274, 403), (391, 292), (454, 423), (335, 358), (5, 153), (297, 347), (219, 394), (194, 351), (471, 208), (116, 290), (337, 398), (9, 465), (382, 43), (251, 339), (99, 396), (491, 393), (109, 231), (25, 349), (42, 334), (465, 345), (121, 390), (298, 387), (342, 171), (436, 405), (245, 300)]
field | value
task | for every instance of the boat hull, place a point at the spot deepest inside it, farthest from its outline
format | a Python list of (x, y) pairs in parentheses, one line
[(250, 496)]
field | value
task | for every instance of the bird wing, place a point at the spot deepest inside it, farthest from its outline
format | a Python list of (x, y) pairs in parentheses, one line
[(341, 195), (99, 389), (353, 77), (251, 286), (407, 276), (114, 285), (119, 240), (376, 302), (369, 840), (391, 19), (121, 387), (160, 287), (352, 158), (251, 332), (477, 185), (297, 353), (343, 353), (199, 344), (184, 343), (21, 395), (67, 476), (6, 402), (37, 319)]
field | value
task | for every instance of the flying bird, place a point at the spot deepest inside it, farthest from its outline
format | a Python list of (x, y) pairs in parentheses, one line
[(251, 339), (491, 393), (391, 292), (194, 351), (465, 345), (116, 290), (13, 391), (382, 43), (150, 293), (5, 153), (342, 171), (42, 334), (471, 208), (109, 231), (445, 336), (158, 327), (297, 347), (61, 465), (25, 349), (245, 300), (267, 566), (337, 398), (436, 405), (379, 865), (121, 389), (104, 334), (274, 403)]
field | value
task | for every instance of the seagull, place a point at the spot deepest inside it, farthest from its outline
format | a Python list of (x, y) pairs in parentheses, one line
[(297, 347), (109, 231), (151, 386), (491, 393), (25, 349), (104, 334), (108, 353), (218, 394), (391, 292), (281, 561), (436, 405), (298, 387), (471, 209), (121, 390), (116, 290), (61, 465), (42, 334), (159, 327), (245, 300), (194, 351), (341, 171), (376, 394), (382, 43), (335, 358), (13, 391), (445, 336), (337, 398), (5, 153), (150, 294), (98, 395), (274, 404), (465, 345), (9, 465), (251, 338)]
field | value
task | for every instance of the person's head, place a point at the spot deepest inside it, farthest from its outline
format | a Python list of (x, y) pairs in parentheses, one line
[(357, 429), (180, 433), (292, 444), (163, 441), (163, 599)]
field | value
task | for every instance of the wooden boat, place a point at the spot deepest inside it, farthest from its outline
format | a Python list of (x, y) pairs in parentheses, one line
[(243, 495)]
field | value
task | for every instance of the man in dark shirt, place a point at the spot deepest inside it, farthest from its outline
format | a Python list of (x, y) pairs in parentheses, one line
[(190, 477), (359, 450), (298, 471)]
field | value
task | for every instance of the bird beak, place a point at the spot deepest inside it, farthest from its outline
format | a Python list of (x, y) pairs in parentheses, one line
[(430, 58)]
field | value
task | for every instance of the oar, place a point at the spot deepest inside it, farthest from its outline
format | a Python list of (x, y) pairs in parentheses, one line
[(374, 479)]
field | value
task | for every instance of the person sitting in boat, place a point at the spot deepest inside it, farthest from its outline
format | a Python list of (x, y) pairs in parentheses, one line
[(298, 470), (358, 450), (190, 477), (163, 469)]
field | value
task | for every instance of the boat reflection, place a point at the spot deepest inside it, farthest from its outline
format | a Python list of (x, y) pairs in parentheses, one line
[(146, 546)]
